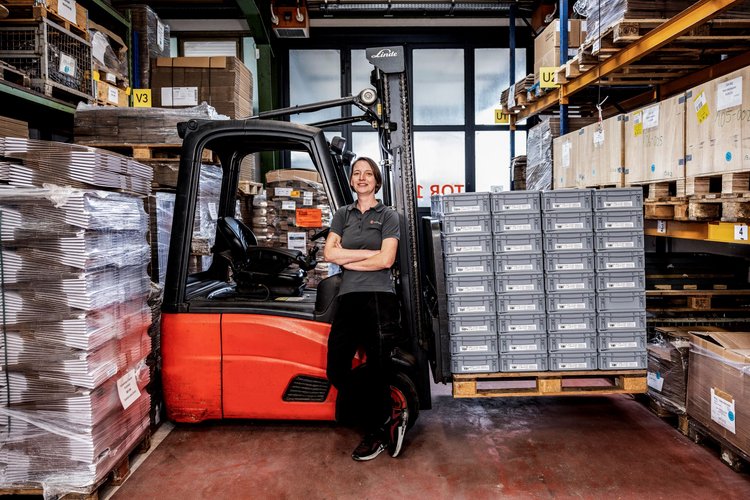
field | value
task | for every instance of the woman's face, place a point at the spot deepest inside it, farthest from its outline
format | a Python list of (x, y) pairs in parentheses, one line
[(363, 179)]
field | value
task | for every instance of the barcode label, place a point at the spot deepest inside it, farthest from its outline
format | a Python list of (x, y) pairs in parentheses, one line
[(568, 246), (477, 328), (523, 328), (470, 269), (568, 267), (620, 244), (569, 225), (520, 288), (572, 365), (472, 208), (575, 305), (622, 345), (526, 206), (620, 265), (469, 289), (612, 225), (576, 204), (517, 227), (474, 348), (524, 347), (524, 367), (467, 229), (571, 286), (572, 345), (475, 248), (618, 204), (623, 364), (623, 284), (517, 248), (573, 326), (519, 267), (475, 368), (621, 324), (522, 307), (471, 309)]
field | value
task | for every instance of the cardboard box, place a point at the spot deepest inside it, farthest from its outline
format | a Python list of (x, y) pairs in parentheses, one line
[(110, 95), (719, 385), (547, 45), (655, 142), (281, 175)]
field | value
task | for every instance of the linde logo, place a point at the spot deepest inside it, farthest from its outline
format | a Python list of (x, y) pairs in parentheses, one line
[(385, 53)]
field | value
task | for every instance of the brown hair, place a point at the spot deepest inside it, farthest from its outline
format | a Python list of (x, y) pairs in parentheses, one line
[(375, 172)]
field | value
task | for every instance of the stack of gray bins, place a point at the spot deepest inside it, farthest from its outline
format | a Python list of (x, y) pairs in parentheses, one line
[(467, 247), (519, 281), (570, 279), (620, 278)]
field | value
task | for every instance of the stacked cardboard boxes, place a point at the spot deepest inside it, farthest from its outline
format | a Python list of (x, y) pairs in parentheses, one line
[(547, 44)]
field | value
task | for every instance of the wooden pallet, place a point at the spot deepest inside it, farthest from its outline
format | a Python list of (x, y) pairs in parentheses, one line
[(723, 207), (579, 383), (738, 460), (10, 74), (115, 477), (697, 300), (717, 183), (667, 413), (25, 12), (150, 151), (249, 187)]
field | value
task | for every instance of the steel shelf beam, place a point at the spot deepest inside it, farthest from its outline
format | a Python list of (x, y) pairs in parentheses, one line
[(720, 232), (37, 99)]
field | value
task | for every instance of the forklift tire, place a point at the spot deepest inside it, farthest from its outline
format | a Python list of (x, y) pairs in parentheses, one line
[(404, 395)]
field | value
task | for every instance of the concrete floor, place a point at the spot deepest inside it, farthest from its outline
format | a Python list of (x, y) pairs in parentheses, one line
[(553, 447)]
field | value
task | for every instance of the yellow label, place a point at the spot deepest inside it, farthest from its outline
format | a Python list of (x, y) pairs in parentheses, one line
[(96, 76), (700, 103), (501, 118), (638, 129), (295, 194), (637, 123), (547, 77), (141, 98), (128, 90)]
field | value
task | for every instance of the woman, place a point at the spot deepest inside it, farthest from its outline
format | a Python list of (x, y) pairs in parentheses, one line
[(363, 240)]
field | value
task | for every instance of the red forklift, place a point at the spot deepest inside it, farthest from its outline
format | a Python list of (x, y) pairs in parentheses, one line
[(245, 338)]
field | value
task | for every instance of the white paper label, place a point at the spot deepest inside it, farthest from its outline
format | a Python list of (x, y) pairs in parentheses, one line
[(473, 348), (566, 154), (526, 206), (111, 78), (512, 96), (655, 381), (471, 309), (613, 225), (570, 366), (469, 289), (622, 324), (525, 367), (213, 211), (723, 412), (570, 286), (112, 370), (622, 284), (622, 345), (520, 288), (740, 232), (67, 65), (127, 389), (467, 229), (573, 305), (282, 191), (522, 307), (517, 227), (569, 246), (596, 46), (576, 204), (469, 269), (475, 368), (620, 244), (307, 201), (517, 248), (618, 204), (598, 137), (623, 364), (568, 267), (699, 102), (570, 225), (67, 9), (179, 96), (519, 267), (729, 94), (289, 205), (296, 241), (620, 265), (469, 249), (112, 95), (524, 347), (572, 345), (476, 328), (573, 326), (160, 35), (473, 208), (651, 117), (523, 328)]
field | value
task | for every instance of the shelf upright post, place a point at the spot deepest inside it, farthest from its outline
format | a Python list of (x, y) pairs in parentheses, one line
[(563, 8), (512, 78)]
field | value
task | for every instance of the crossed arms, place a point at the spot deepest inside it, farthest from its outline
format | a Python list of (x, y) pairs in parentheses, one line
[(360, 260)]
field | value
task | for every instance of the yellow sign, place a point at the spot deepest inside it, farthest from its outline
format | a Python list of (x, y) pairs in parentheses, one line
[(501, 118), (141, 98), (547, 77), (701, 107), (638, 123)]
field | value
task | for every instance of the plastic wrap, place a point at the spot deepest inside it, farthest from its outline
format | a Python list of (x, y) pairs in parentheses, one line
[(153, 40), (668, 372), (518, 165), (259, 219), (539, 157), (114, 125), (108, 59), (206, 214), (164, 215)]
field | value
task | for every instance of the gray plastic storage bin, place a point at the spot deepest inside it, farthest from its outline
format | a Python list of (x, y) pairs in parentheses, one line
[(471, 343), (464, 203), (622, 341), (516, 223), (618, 199), (472, 324), (555, 222), (522, 323), (622, 360), (621, 280), (618, 240), (571, 322), (570, 282), (466, 265), (523, 342), (573, 341), (524, 362), (519, 263), (471, 304), (567, 200), (569, 242), (576, 302), (519, 283), (518, 243), (620, 260), (469, 285), (436, 205), (621, 301), (609, 321), (573, 361), (618, 219), (474, 363), (520, 303), (564, 261), (467, 224), (467, 244), (515, 201)]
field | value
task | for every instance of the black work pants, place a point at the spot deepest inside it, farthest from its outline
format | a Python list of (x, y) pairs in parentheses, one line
[(371, 321)]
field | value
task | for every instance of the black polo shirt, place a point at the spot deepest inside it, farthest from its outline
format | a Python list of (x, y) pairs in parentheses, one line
[(365, 231)]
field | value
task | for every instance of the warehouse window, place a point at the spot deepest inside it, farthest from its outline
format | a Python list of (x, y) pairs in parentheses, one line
[(314, 75), (438, 82), (440, 160), (492, 154), (491, 68), (206, 48)]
